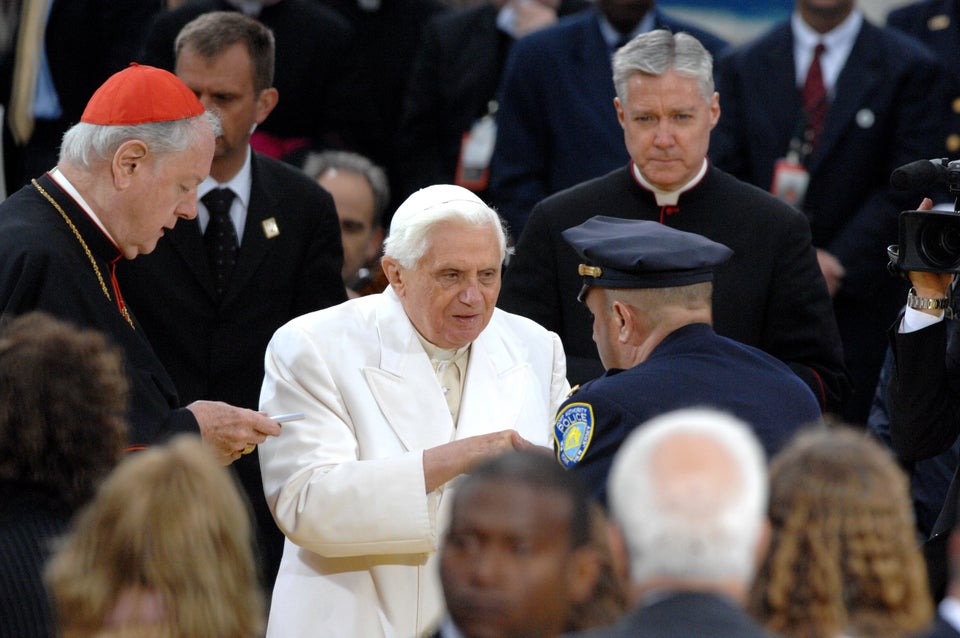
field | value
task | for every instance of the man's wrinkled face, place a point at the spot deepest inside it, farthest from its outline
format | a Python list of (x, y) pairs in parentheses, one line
[(163, 189), (666, 126), (451, 292), (506, 561)]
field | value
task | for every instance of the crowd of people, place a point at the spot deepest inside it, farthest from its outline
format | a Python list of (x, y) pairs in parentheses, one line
[(528, 318)]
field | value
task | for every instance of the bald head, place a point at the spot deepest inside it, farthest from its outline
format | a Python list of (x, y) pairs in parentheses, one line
[(688, 490)]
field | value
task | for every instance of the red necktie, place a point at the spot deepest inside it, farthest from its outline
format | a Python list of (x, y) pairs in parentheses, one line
[(814, 99)]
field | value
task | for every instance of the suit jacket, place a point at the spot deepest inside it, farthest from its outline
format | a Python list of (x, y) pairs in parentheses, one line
[(769, 295), (683, 614), (936, 23), (924, 402), (557, 125), (43, 266), (346, 484), (317, 68), (889, 109), (31, 519), (942, 629), (713, 371), (455, 76), (213, 348)]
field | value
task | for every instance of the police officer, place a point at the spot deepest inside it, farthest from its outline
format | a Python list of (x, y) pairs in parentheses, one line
[(649, 288)]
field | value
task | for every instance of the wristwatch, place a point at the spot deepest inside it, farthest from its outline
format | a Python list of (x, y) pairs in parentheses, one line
[(926, 303)]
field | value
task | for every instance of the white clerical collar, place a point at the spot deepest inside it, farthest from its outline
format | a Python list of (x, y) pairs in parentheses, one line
[(436, 353), (71, 190), (668, 198)]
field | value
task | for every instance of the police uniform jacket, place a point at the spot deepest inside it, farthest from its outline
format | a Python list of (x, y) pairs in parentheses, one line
[(770, 294), (691, 367), (44, 266), (346, 484)]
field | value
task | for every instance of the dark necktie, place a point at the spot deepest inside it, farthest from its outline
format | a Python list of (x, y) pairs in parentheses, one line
[(220, 237), (814, 98)]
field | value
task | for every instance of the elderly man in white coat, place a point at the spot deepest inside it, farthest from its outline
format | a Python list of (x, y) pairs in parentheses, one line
[(402, 392)]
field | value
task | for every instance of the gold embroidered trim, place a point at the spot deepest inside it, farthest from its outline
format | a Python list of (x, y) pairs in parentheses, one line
[(86, 249)]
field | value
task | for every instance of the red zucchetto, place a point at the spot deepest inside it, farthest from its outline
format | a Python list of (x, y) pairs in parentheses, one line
[(141, 94)]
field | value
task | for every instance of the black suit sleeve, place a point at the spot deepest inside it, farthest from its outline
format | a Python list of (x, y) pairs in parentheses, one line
[(923, 393)]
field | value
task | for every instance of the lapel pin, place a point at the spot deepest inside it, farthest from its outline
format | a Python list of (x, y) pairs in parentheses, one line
[(270, 228)]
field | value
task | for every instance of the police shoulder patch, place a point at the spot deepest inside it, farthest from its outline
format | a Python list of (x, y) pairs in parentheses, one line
[(572, 432)]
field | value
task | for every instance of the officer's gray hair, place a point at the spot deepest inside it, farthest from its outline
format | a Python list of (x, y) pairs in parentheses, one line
[(83, 143), (712, 535), (658, 51)]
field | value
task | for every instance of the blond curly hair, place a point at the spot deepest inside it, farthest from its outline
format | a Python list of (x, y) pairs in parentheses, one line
[(844, 557), (163, 550)]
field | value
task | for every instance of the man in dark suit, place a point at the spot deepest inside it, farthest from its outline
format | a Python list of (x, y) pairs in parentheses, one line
[(883, 104), (288, 255), (127, 172), (924, 395), (85, 42), (769, 295), (453, 87), (688, 494), (517, 558), (936, 23), (556, 124), (649, 289), (317, 72)]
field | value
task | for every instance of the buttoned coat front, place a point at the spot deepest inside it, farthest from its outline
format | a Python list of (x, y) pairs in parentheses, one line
[(346, 484)]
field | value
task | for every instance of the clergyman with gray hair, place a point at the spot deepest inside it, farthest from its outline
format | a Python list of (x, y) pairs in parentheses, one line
[(688, 496), (770, 295), (403, 392), (128, 171)]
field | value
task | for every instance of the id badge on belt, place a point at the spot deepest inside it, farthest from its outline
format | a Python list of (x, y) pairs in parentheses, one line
[(476, 149), (790, 180)]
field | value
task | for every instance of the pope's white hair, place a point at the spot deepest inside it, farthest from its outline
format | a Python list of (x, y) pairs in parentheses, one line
[(411, 224)]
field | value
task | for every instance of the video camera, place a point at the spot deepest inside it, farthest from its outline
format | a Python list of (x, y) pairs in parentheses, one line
[(928, 240)]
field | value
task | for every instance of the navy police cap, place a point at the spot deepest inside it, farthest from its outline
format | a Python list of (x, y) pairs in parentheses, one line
[(629, 253)]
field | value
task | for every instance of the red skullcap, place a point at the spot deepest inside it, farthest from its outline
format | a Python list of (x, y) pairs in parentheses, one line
[(139, 95)]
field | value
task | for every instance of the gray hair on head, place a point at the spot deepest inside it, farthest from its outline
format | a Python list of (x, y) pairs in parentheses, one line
[(656, 52), (411, 224), (317, 164), (685, 522), (83, 143)]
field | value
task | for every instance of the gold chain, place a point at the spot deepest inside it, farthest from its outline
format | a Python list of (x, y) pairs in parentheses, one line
[(86, 249)]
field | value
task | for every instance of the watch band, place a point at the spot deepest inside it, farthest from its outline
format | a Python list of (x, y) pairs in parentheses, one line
[(926, 303)]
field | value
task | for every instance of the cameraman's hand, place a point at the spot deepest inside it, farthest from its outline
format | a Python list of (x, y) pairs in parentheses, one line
[(930, 284)]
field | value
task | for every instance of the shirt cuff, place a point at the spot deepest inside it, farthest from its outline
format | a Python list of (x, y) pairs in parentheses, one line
[(914, 320)]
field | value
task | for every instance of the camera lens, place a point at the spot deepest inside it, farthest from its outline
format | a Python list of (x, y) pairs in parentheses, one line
[(939, 242)]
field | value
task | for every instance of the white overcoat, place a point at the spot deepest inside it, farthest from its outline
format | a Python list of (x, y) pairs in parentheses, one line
[(346, 484)]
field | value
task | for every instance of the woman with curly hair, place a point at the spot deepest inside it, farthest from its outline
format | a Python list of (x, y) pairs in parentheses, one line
[(843, 559), (164, 550), (63, 395)]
